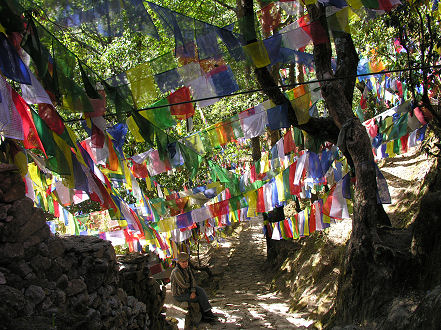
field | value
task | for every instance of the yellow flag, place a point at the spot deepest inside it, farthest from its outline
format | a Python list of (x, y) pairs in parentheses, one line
[(390, 149), (35, 177), (251, 197), (65, 148), (280, 187), (142, 85), (74, 139), (258, 54), (134, 129), (306, 226), (356, 4), (301, 107)]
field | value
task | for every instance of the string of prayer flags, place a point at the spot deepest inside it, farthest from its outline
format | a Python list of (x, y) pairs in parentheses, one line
[(295, 37), (191, 160), (314, 30), (49, 145), (339, 21), (231, 41), (301, 105), (253, 124), (178, 25), (203, 90), (108, 19), (335, 205)]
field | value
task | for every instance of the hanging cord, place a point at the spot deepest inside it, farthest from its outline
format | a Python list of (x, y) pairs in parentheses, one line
[(273, 87)]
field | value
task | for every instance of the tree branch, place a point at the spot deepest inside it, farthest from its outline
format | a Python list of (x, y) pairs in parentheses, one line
[(225, 5), (347, 62), (323, 128)]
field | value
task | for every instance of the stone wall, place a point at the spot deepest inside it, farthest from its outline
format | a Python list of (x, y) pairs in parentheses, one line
[(49, 282), (135, 279)]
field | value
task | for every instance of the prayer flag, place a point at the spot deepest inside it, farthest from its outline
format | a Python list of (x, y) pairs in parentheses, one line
[(278, 117), (161, 116), (142, 84), (34, 93), (31, 139), (181, 111), (11, 64), (257, 53)]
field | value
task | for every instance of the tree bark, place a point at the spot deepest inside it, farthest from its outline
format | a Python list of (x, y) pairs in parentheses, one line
[(355, 298)]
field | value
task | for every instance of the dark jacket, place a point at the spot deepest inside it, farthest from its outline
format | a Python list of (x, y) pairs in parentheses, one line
[(182, 280)]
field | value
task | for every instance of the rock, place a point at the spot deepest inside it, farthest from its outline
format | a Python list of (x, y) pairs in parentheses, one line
[(4, 208), (35, 294), (12, 186), (40, 263), (10, 251), (46, 304), (22, 268), (94, 300), (2, 278), (23, 211), (122, 295), (80, 301), (55, 247), (106, 291), (67, 283), (30, 227), (31, 242), (62, 282), (101, 265), (60, 298), (44, 250), (12, 303), (75, 286)]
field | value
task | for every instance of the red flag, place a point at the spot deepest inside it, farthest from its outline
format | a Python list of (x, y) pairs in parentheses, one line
[(181, 111), (98, 137), (314, 29), (260, 206), (287, 228), (31, 138), (51, 117), (220, 208), (288, 143), (312, 215), (140, 170)]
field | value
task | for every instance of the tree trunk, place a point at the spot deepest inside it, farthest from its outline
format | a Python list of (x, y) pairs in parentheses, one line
[(363, 273)]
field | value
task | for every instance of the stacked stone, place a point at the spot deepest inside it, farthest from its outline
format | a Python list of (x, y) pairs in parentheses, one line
[(48, 282), (135, 279)]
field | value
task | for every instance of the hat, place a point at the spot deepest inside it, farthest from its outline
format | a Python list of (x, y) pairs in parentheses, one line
[(183, 256)]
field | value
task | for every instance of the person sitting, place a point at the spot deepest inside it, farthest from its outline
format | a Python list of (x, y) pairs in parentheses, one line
[(184, 288)]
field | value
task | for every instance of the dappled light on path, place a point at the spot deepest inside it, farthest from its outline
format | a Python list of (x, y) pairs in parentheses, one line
[(241, 296)]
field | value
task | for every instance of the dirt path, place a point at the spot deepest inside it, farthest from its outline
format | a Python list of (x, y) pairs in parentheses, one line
[(243, 299), (405, 174)]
